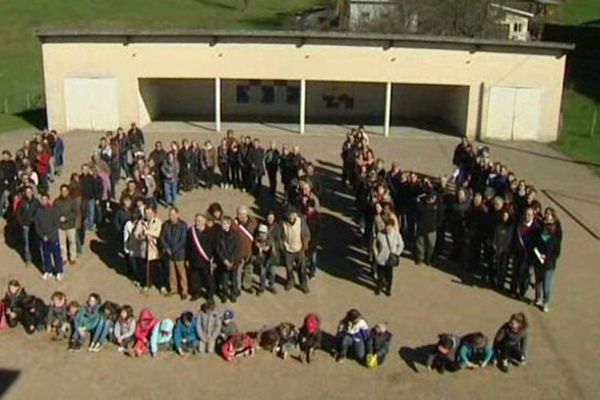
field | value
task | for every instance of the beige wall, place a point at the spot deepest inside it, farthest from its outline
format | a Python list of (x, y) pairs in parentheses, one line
[(323, 62)]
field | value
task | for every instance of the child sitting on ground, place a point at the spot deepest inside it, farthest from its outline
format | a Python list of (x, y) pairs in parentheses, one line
[(444, 358), (143, 332), (309, 337), (108, 315), (57, 321), (185, 336), (474, 351), (35, 312), (124, 329), (13, 303), (162, 337), (510, 343), (86, 321), (378, 345), (239, 345)]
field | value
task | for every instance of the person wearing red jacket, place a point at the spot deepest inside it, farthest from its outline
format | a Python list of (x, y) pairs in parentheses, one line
[(42, 167), (143, 331), (238, 345)]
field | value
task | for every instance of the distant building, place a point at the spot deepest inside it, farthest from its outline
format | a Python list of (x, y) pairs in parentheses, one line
[(358, 14), (515, 21)]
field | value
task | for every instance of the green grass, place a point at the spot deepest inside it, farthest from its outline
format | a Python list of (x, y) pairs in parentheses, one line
[(20, 56), (578, 11), (576, 138)]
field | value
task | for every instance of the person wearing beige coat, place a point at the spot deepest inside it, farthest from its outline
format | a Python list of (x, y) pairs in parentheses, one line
[(144, 246)]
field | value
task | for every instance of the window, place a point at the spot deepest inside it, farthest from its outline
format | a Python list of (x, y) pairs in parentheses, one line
[(243, 94), (268, 94), (292, 95), (518, 27)]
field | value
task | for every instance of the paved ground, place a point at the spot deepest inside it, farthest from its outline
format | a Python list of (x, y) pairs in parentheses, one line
[(563, 350)]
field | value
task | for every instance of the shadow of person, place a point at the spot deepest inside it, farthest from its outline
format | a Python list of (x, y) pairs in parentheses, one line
[(413, 357)]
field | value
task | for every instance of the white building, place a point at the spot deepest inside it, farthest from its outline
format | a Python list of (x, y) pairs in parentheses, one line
[(513, 20)]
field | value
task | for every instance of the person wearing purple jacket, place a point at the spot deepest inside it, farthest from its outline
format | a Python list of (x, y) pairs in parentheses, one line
[(353, 334)]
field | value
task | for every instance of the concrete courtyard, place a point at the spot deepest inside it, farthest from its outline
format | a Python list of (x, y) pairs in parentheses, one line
[(563, 351)]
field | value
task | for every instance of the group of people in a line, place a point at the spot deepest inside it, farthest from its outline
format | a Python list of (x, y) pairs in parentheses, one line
[(95, 324), (483, 219), (216, 254)]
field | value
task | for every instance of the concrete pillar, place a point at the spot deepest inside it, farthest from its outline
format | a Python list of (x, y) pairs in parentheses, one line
[(218, 104), (302, 106), (388, 109)]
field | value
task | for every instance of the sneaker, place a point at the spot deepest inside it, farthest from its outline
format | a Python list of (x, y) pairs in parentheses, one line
[(503, 365), (45, 276), (273, 290), (546, 308), (164, 291), (121, 349), (97, 348), (539, 303), (59, 277)]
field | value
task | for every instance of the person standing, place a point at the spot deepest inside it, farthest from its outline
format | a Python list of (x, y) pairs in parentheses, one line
[(526, 237), (227, 260), (90, 196), (201, 248), (67, 212), (244, 226), (59, 153), (170, 172), (47, 223), (387, 249), (295, 241), (136, 140), (173, 238), (256, 159), (209, 161), (8, 180), (272, 161), (28, 208), (427, 225), (145, 249), (546, 250), (42, 167)]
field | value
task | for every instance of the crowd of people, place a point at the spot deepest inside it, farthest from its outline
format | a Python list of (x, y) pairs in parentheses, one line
[(217, 254), (95, 324), (482, 219)]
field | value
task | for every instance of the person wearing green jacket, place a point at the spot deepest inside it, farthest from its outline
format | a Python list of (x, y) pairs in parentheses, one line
[(162, 336), (86, 321)]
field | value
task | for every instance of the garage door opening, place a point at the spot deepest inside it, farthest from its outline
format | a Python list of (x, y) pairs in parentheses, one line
[(261, 101), (177, 100), (438, 108), (345, 103)]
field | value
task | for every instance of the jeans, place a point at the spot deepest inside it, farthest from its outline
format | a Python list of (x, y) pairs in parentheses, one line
[(68, 241), (102, 331), (89, 214), (170, 192), (544, 281), (79, 240), (50, 252), (4, 203), (245, 274), (425, 246), (25, 235), (267, 272), (358, 347)]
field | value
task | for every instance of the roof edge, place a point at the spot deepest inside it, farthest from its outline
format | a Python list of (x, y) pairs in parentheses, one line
[(43, 33)]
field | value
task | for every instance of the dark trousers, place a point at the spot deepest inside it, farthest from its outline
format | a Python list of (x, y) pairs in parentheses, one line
[(501, 260), (153, 272), (228, 282), (296, 261), (51, 255), (385, 278), (521, 275), (235, 174), (209, 177), (224, 169), (506, 351), (202, 277), (24, 318), (272, 173)]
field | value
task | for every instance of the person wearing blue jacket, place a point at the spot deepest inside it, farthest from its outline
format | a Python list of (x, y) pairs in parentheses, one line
[(185, 336), (474, 351), (161, 337), (86, 321)]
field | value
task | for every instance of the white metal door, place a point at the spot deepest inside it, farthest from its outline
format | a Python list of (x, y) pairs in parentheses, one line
[(514, 113), (500, 113), (91, 103), (527, 113)]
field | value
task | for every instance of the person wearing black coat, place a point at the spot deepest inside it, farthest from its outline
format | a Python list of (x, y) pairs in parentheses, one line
[(47, 224), (427, 225), (172, 241), (200, 254), (227, 258), (25, 218), (501, 245), (546, 249), (272, 160), (256, 167), (8, 180), (510, 342)]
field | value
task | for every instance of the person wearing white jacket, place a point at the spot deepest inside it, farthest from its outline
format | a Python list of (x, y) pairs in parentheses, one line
[(387, 249)]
